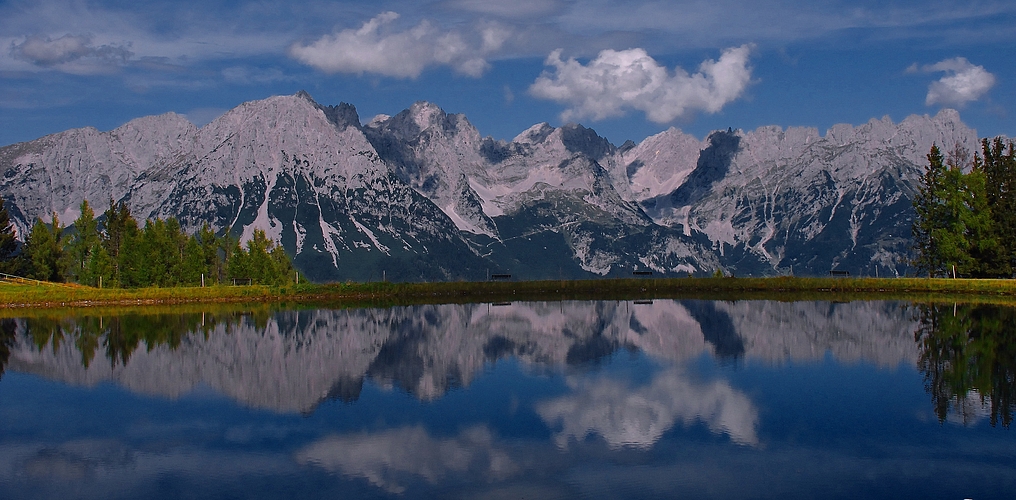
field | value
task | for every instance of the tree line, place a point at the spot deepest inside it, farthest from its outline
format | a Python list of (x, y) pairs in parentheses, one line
[(116, 251), (965, 224)]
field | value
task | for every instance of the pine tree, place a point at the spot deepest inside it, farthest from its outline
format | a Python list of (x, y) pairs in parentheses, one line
[(81, 246), (44, 250), (987, 254), (193, 265), (100, 268), (129, 257), (8, 241), (930, 215), (213, 252), (999, 165), (262, 261), (119, 223)]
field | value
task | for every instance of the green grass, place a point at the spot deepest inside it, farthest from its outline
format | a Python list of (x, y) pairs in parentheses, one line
[(20, 296)]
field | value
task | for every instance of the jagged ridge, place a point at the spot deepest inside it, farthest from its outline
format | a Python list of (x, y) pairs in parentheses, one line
[(422, 195)]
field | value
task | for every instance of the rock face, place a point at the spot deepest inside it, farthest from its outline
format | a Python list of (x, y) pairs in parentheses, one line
[(795, 200), (422, 196)]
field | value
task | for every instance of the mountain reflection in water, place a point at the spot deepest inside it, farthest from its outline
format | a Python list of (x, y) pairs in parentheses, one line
[(563, 399), (291, 361)]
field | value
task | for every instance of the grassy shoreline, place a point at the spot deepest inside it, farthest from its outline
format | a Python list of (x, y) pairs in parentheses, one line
[(14, 297)]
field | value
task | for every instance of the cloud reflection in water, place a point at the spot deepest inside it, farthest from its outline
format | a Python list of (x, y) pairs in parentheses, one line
[(391, 458), (637, 417)]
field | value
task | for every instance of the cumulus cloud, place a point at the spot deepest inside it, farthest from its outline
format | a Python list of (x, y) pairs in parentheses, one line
[(963, 82), (376, 48), (73, 53), (630, 79), (637, 417)]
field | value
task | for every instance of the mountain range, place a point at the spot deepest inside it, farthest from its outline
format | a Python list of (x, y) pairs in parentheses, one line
[(421, 195)]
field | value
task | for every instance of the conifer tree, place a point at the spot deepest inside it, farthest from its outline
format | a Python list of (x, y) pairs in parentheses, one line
[(8, 242), (44, 250), (999, 165), (213, 253), (261, 261), (118, 224), (985, 251), (81, 246), (193, 265), (930, 215), (129, 257)]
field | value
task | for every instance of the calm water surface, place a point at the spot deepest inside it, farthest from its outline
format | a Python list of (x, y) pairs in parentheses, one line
[(669, 399)]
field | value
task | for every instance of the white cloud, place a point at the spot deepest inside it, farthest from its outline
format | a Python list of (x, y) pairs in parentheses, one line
[(70, 53), (630, 79), (375, 48), (963, 82)]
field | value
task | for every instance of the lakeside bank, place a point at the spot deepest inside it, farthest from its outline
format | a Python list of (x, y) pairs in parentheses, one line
[(15, 297)]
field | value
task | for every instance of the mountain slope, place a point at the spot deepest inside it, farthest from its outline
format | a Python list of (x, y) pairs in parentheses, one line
[(421, 195), (798, 200)]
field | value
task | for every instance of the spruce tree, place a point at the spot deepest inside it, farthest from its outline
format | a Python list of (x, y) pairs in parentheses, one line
[(193, 265), (8, 241), (81, 247), (44, 250), (987, 254), (929, 206), (118, 224), (999, 165), (261, 261), (213, 252)]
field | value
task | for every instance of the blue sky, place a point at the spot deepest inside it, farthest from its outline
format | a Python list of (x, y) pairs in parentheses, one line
[(627, 69)]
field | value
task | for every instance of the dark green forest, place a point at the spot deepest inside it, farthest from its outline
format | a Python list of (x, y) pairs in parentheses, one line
[(965, 213), (120, 252)]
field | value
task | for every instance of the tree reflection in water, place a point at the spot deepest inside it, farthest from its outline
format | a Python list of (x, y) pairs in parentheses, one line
[(968, 358), (8, 330), (119, 336)]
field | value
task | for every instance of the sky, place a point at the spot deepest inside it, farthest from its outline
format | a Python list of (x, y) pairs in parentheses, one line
[(626, 69)]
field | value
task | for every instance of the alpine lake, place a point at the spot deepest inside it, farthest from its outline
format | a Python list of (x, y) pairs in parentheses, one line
[(570, 399)]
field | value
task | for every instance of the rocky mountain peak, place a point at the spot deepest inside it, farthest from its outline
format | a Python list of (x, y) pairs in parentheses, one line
[(535, 134), (949, 116), (422, 118), (420, 195), (660, 163), (579, 139), (342, 115), (426, 114)]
